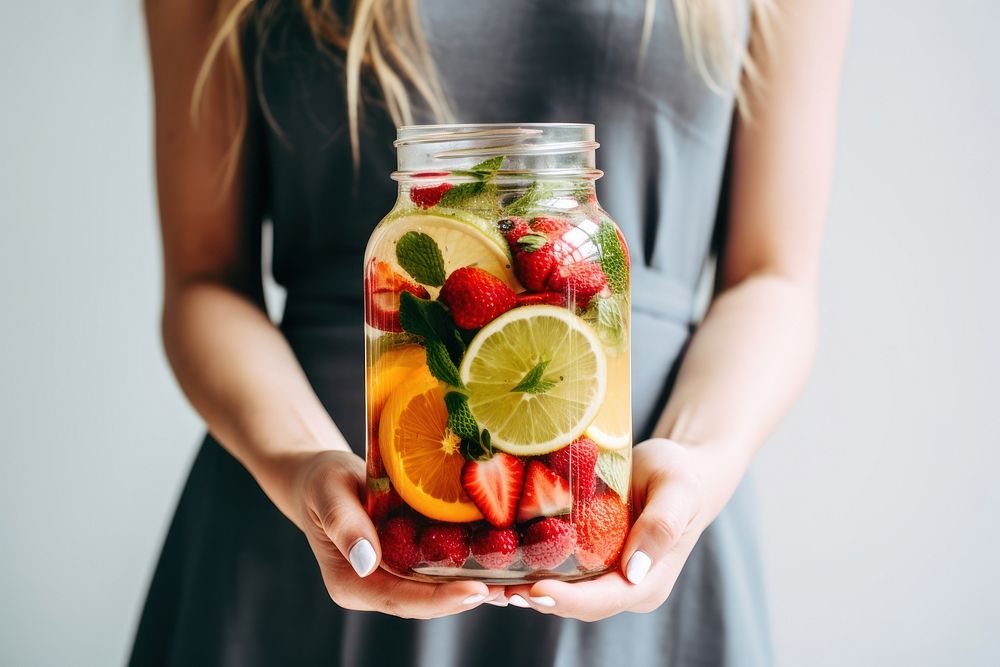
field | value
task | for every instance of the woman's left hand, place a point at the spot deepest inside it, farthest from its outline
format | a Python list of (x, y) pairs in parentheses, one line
[(675, 504)]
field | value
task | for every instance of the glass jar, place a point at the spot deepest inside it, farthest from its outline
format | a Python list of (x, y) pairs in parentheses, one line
[(497, 359)]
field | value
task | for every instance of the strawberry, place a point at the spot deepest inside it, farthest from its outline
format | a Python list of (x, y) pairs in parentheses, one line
[(398, 537), (541, 298), (382, 289), (545, 493), (547, 543), (554, 228), (495, 548), (513, 229), (380, 498), (426, 196), (494, 485), (445, 544), (476, 297), (601, 526), (576, 462), (581, 281)]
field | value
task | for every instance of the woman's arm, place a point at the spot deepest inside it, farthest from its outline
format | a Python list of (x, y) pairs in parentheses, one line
[(232, 363), (750, 356)]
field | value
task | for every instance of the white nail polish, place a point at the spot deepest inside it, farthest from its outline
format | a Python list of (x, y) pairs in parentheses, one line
[(544, 601), (362, 557), (498, 602), (474, 599), (638, 567), (518, 601)]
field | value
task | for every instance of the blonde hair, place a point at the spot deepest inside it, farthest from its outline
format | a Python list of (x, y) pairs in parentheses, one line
[(385, 36)]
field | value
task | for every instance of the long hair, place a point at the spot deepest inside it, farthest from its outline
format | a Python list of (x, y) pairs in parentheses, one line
[(385, 37)]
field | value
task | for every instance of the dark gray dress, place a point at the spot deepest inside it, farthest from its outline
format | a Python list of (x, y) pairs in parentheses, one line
[(236, 583)]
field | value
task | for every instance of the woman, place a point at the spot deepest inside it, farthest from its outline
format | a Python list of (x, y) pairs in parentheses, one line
[(299, 102)]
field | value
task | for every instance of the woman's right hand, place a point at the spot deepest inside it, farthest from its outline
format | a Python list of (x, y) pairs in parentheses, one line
[(328, 490)]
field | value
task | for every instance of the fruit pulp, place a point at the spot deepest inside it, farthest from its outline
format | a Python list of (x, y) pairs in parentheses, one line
[(497, 383)]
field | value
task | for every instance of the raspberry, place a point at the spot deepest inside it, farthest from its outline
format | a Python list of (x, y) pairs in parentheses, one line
[(601, 526), (547, 543), (476, 297), (398, 537), (495, 548), (427, 196), (445, 544), (576, 462)]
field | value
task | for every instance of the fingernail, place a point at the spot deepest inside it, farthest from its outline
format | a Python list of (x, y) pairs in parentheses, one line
[(474, 599), (518, 601), (500, 601), (362, 557), (638, 566), (544, 601)]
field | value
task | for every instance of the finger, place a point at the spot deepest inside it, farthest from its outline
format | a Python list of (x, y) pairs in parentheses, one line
[(589, 600), (671, 503), (334, 499)]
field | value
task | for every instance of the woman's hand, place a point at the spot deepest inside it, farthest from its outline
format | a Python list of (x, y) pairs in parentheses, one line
[(328, 488), (674, 502)]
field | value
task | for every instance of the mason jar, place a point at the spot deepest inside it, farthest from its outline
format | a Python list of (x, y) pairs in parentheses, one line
[(497, 386)]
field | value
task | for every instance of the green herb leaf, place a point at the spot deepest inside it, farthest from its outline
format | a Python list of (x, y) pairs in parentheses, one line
[(420, 256), (440, 365), (613, 260), (532, 242), (533, 382), (489, 165), (461, 193), (530, 200), (615, 470), (438, 334), (460, 419)]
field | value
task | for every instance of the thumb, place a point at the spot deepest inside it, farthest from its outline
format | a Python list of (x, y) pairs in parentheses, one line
[(334, 496), (672, 501)]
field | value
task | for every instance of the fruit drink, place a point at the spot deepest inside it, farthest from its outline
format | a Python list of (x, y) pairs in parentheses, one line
[(497, 360)]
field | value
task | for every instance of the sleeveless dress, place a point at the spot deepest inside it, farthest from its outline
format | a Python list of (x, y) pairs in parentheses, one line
[(236, 583)]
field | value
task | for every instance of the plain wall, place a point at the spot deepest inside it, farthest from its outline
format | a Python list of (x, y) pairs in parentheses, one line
[(877, 496)]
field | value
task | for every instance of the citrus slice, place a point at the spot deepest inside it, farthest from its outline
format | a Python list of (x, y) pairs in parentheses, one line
[(422, 457), (536, 377), (390, 369), (463, 239), (612, 427)]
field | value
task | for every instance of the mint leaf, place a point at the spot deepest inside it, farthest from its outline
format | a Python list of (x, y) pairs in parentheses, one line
[(489, 166), (530, 200), (533, 382), (462, 193), (460, 419), (431, 322), (420, 256), (609, 319), (532, 242), (440, 365), (613, 260), (615, 470)]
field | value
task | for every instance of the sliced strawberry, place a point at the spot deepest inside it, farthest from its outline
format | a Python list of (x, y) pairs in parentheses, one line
[(545, 493), (426, 196), (494, 485), (382, 289)]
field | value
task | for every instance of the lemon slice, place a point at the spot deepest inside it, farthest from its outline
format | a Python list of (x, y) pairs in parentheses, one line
[(464, 240), (612, 427), (536, 377)]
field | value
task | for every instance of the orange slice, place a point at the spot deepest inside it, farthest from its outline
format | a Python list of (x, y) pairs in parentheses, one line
[(422, 457), (389, 370)]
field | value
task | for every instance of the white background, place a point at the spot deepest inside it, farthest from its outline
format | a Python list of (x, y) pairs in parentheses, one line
[(878, 496)]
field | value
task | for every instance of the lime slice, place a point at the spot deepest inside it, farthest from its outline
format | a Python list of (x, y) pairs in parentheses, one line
[(612, 427), (464, 240), (536, 377)]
